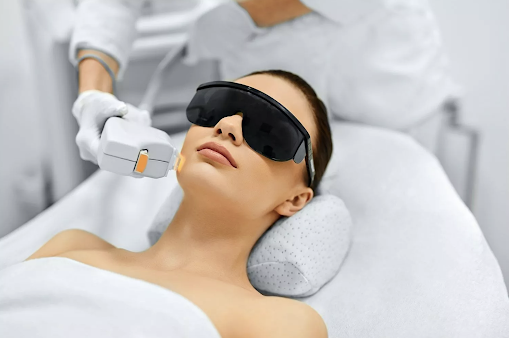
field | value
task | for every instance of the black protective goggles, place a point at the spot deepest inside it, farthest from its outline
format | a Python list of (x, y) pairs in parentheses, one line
[(267, 126)]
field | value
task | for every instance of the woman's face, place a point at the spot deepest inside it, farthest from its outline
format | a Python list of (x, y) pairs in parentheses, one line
[(257, 185)]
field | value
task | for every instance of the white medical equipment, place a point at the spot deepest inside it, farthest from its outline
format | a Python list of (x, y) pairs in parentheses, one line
[(136, 150)]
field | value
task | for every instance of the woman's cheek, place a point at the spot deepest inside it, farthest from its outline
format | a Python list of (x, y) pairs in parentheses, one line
[(262, 176)]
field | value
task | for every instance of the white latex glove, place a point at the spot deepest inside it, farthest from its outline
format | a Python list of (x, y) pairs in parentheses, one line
[(91, 109)]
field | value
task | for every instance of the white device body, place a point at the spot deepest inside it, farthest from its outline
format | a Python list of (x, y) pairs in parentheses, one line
[(135, 150)]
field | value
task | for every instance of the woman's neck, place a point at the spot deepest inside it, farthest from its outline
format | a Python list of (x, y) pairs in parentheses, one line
[(208, 241)]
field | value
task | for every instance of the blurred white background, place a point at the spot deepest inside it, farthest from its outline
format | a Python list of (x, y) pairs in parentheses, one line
[(475, 34), (21, 174)]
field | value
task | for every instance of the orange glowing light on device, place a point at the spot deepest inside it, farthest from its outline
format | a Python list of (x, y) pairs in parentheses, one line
[(142, 161), (180, 163)]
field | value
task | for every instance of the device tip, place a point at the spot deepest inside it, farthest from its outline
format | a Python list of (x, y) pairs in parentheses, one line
[(179, 163)]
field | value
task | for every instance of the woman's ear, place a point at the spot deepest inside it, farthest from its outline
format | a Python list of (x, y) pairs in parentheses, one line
[(295, 203)]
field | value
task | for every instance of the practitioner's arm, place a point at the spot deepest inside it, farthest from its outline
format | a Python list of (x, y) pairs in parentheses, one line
[(106, 29), (69, 240), (93, 75)]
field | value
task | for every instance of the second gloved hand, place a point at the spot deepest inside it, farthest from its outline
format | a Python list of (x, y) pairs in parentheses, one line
[(91, 109)]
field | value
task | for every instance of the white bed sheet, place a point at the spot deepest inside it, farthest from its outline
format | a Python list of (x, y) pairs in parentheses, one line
[(419, 265)]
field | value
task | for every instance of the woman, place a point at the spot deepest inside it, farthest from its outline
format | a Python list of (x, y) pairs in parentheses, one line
[(229, 201)]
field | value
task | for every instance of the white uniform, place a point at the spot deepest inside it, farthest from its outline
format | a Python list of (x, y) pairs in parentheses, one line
[(378, 62)]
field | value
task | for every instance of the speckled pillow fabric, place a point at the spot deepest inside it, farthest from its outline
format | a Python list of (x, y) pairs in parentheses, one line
[(297, 255)]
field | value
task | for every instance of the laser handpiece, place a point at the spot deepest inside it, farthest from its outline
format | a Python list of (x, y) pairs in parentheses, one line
[(132, 149)]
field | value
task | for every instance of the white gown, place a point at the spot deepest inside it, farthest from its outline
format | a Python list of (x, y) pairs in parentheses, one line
[(60, 297)]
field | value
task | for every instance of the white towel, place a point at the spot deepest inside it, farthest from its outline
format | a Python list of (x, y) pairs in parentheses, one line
[(61, 297)]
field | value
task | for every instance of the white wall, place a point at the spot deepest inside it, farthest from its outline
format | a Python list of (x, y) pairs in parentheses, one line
[(476, 35), (21, 170)]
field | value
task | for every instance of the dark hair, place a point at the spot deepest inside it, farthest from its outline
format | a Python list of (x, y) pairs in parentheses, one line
[(322, 147)]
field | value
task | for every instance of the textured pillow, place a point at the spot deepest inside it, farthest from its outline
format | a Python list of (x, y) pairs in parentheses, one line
[(297, 255)]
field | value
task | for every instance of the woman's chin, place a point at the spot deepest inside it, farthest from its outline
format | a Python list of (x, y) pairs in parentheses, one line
[(204, 179)]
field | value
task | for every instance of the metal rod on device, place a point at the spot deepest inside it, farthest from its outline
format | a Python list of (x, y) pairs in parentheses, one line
[(452, 109), (147, 103)]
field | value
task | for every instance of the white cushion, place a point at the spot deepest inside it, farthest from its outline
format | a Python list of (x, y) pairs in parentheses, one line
[(297, 255)]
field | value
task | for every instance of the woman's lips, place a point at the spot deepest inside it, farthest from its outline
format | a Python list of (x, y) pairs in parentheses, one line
[(214, 155)]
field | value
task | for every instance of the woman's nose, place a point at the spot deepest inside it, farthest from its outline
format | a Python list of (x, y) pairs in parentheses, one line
[(231, 127)]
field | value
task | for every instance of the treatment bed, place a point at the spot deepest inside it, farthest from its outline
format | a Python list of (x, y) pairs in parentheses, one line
[(418, 265)]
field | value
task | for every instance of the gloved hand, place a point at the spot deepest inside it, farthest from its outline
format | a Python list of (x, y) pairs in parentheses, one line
[(91, 109)]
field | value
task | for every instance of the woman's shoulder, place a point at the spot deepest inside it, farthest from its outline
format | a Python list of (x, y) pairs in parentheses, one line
[(285, 317), (71, 240)]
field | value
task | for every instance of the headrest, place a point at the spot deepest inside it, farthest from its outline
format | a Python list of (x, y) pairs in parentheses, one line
[(297, 255)]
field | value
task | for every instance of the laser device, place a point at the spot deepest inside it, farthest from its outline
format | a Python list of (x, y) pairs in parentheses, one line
[(131, 149)]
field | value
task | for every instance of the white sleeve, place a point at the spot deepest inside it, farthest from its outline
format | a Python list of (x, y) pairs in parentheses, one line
[(107, 26), (390, 69), (344, 11)]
